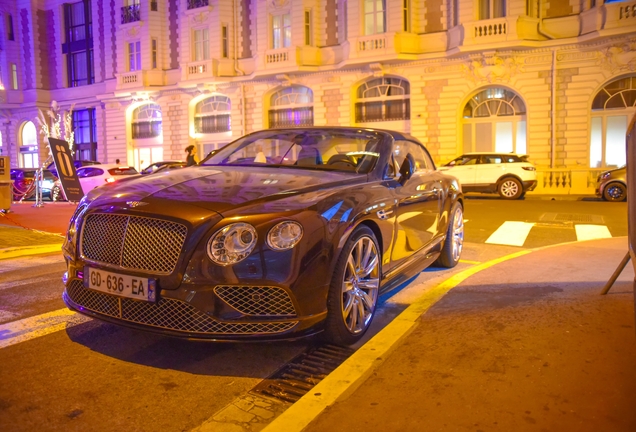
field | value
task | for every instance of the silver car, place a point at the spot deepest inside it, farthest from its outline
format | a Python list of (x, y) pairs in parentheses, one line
[(612, 185)]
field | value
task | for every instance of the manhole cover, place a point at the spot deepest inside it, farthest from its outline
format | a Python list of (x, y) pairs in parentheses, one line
[(572, 217), (302, 373)]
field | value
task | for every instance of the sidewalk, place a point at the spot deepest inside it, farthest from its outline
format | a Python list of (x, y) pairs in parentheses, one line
[(527, 344), (28, 230)]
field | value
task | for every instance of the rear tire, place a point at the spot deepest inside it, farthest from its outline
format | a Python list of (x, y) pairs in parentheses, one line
[(353, 292), (454, 241), (510, 188), (615, 192)]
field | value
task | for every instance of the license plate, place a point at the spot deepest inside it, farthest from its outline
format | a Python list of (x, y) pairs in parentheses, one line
[(120, 284)]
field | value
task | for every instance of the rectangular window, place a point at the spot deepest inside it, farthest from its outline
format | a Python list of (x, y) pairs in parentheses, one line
[(134, 56), (490, 9), (308, 28), (201, 45), (14, 76), (224, 42), (85, 137), (406, 15), (78, 45), (374, 17), (154, 53), (10, 34), (281, 31)]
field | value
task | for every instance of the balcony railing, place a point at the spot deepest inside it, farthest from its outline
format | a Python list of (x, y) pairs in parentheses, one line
[(627, 11), (277, 56), (291, 117), (212, 124), (566, 181), (491, 28), (143, 130), (372, 43), (130, 14), (131, 78), (393, 110), (194, 4)]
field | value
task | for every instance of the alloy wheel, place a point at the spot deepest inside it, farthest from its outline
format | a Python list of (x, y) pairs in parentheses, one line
[(457, 233), (360, 285)]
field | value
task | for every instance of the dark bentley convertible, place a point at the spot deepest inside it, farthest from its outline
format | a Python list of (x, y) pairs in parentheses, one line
[(282, 233)]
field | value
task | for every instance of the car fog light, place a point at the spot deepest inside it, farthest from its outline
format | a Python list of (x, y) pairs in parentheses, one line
[(232, 243), (284, 235)]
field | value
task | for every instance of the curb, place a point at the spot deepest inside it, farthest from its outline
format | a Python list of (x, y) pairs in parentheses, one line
[(16, 252), (357, 368)]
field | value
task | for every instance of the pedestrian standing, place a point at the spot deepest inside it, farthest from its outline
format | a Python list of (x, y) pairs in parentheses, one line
[(191, 158)]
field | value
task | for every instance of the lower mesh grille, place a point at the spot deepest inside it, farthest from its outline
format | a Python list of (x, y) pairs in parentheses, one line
[(167, 314), (257, 300)]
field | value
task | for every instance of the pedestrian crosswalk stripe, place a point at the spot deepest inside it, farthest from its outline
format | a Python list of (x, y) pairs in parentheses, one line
[(511, 233), (41, 325), (591, 232)]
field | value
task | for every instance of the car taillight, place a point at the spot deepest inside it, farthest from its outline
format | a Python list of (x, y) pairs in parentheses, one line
[(529, 168), (110, 180)]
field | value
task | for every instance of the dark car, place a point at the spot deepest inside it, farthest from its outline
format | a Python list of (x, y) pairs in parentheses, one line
[(24, 186), (612, 185), (280, 234), (77, 163), (163, 165)]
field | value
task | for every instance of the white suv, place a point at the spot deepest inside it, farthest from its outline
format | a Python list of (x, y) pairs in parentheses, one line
[(509, 174)]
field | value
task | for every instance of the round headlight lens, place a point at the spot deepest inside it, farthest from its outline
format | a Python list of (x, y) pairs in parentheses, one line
[(232, 243), (285, 235)]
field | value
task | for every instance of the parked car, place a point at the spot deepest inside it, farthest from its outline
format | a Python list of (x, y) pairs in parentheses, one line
[(238, 249), (77, 163), (611, 185), (94, 176), (157, 166), (23, 179), (509, 174)]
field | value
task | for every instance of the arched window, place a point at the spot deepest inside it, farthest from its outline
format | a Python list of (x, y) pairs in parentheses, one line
[(146, 121), (495, 120), (212, 115), (383, 99), (29, 146), (292, 106), (611, 109)]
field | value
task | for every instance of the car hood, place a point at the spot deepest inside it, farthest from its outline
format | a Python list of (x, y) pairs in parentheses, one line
[(223, 189)]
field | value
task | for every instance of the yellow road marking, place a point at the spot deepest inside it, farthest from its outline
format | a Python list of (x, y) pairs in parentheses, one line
[(29, 250), (40, 325), (353, 372), (469, 262)]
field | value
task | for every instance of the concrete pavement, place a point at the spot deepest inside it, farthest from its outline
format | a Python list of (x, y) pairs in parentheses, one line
[(524, 344)]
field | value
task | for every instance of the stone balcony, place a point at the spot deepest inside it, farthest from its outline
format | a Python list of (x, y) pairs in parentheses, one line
[(140, 79)]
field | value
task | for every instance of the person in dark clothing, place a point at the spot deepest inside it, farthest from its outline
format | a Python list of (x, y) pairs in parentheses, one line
[(191, 158)]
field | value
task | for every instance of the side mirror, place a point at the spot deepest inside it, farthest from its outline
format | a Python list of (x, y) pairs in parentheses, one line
[(451, 163), (407, 169)]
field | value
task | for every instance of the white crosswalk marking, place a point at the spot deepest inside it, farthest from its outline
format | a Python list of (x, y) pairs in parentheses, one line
[(591, 232), (511, 233)]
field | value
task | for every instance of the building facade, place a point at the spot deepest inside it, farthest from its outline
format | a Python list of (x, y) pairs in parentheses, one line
[(146, 78)]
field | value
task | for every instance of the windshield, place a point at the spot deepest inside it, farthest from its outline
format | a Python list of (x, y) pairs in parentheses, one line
[(354, 151)]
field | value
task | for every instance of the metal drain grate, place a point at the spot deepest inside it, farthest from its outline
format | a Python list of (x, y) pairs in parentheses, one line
[(572, 217), (301, 374)]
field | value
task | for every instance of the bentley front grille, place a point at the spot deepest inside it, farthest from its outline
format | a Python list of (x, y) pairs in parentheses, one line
[(133, 242), (169, 314), (257, 300)]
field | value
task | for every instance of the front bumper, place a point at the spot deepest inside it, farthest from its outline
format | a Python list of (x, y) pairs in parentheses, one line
[(174, 316)]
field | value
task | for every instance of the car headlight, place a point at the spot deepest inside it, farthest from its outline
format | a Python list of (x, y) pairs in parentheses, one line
[(232, 243), (284, 235), (605, 175)]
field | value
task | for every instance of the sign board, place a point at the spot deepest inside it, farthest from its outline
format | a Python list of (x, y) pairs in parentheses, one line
[(63, 160)]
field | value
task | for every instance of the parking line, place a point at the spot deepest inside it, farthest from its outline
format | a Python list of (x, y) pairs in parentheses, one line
[(33, 327), (591, 232), (354, 371), (511, 233)]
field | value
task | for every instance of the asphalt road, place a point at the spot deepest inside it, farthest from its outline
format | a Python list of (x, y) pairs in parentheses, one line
[(97, 376)]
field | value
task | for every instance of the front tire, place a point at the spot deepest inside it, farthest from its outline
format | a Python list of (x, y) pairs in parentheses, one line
[(454, 241), (510, 188), (615, 192), (354, 288)]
